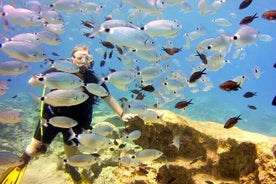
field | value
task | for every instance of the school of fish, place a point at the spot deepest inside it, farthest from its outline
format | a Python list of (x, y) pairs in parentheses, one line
[(146, 43)]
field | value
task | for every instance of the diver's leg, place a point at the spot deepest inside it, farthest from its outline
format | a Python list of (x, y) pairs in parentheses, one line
[(70, 150), (41, 140)]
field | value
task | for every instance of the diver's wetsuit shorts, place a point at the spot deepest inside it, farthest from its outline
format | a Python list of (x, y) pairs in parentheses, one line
[(48, 134)]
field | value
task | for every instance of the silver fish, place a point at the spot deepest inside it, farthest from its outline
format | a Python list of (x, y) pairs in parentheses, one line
[(82, 160), (61, 122), (164, 28), (22, 16), (120, 79), (136, 106), (134, 135), (148, 155), (150, 116), (49, 37), (96, 89), (65, 65), (61, 80), (52, 17), (245, 35), (62, 97), (94, 140), (66, 5), (24, 51), (13, 67), (122, 36), (8, 159), (11, 116)]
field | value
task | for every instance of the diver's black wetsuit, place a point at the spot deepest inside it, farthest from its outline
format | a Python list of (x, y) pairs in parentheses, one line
[(82, 113)]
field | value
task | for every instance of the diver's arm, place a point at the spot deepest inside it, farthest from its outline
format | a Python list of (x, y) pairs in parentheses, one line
[(110, 100)]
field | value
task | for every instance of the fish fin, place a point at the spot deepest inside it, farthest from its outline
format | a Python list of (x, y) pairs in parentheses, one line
[(73, 135)]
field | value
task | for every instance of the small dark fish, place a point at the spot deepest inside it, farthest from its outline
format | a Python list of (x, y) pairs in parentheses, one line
[(142, 171), (274, 101), (111, 149), (274, 66), (248, 19), (135, 91), (116, 142), (196, 75), (88, 35), (95, 154), (107, 18), (171, 51), (183, 104), (148, 88), (55, 54), (172, 180), (196, 159), (107, 44), (14, 96), (122, 146), (110, 54), (230, 86), (9, 80), (232, 121), (202, 57), (209, 182), (102, 63), (105, 54), (51, 60), (249, 94), (119, 49), (252, 107), (112, 70), (87, 24), (245, 4), (140, 96), (269, 15)]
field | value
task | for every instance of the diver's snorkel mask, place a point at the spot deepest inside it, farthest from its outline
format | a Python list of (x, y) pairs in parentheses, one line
[(83, 58)]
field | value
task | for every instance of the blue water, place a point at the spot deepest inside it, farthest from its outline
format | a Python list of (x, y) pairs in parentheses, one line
[(214, 105)]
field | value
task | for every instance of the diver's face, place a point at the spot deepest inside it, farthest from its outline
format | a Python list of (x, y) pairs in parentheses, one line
[(82, 58)]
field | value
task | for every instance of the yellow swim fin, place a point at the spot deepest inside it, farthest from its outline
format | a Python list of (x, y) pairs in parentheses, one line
[(13, 175)]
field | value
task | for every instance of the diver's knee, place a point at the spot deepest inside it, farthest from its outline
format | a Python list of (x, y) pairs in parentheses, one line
[(36, 148)]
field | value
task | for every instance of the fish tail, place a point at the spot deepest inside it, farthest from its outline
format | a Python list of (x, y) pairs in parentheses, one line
[(37, 98), (96, 30), (73, 135)]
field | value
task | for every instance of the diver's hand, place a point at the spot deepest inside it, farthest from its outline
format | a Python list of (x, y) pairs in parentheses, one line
[(127, 117)]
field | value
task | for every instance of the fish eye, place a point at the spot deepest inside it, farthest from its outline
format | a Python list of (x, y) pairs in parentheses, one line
[(209, 47), (129, 106), (235, 37)]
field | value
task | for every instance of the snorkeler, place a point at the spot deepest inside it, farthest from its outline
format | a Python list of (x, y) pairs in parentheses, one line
[(81, 112)]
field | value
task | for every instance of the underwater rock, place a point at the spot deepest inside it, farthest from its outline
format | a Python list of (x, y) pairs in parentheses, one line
[(207, 153)]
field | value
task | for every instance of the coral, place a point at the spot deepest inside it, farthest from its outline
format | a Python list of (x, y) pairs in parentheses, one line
[(207, 152)]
